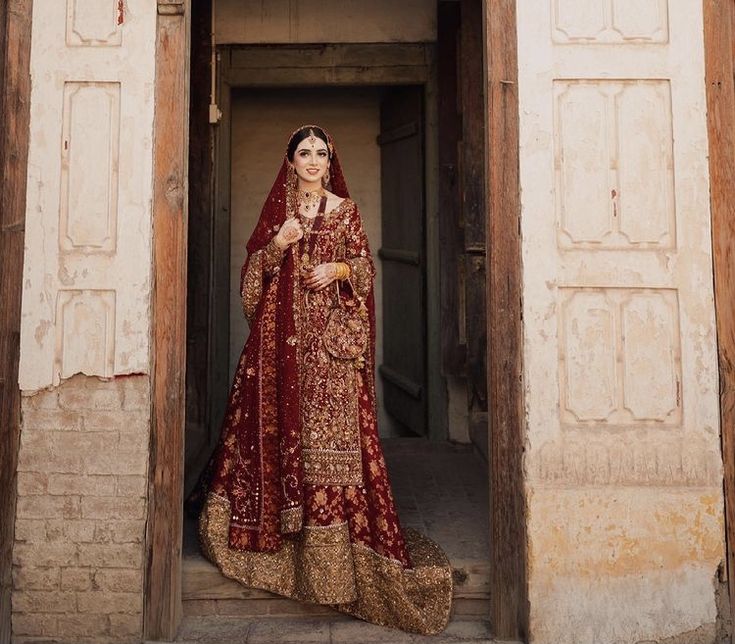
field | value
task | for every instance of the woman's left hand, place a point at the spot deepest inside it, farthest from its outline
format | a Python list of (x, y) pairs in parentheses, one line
[(320, 276)]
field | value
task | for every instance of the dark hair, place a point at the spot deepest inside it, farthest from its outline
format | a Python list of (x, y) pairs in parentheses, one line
[(305, 133)]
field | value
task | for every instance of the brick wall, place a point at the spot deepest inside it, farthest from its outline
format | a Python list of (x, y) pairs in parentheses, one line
[(80, 519)]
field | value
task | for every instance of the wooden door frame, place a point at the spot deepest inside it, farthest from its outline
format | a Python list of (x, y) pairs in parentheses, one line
[(15, 54), (719, 42), (509, 608), (509, 604), (162, 590)]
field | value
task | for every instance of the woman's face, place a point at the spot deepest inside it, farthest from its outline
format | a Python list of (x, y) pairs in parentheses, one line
[(311, 159)]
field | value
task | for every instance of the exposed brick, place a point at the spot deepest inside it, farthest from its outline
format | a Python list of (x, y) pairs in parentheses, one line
[(70, 530), (46, 399), (137, 396), (51, 420), (77, 625), (120, 532), (30, 530), (28, 578), (44, 506), (43, 458), (34, 624), (123, 625), (103, 555), (45, 554), (76, 578), (119, 580), (134, 442), (116, 421), (81, 484), (90, 398), (32, 483), (117, 461), (44, 601), (136, 486), (109, 602), (112, 507)]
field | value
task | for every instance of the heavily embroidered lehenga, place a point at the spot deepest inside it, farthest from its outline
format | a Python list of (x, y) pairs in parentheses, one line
[(298, 498)]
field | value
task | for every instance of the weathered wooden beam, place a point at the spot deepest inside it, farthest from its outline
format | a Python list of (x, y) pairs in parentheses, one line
[(336, 55), (474, 210), (719, 18), (508, 546), (162, 607), (15, 54), (334, 76), (450, 232), (199, 429)]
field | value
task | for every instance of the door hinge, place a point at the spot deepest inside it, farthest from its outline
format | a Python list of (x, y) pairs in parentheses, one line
[(171, 7)]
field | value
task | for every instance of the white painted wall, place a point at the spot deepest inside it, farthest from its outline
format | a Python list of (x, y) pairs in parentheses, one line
[(623, 466), (325, 21), (87, 265), (261, 124)]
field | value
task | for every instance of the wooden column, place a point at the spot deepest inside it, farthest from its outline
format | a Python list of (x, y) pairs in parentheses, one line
[(162, 608), (474, 209), (508, 547), (453, 344), (719, 27), (15, 54)]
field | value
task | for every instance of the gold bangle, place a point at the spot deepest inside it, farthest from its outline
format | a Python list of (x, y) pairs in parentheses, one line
[(343, 270)]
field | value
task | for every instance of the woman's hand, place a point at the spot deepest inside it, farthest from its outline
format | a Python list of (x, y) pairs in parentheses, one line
[(320, 276), (289, 233)]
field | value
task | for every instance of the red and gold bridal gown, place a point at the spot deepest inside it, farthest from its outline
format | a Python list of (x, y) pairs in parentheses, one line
[(298, 498)]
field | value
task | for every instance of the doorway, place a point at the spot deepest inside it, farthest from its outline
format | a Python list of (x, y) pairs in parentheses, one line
[(387, 64)]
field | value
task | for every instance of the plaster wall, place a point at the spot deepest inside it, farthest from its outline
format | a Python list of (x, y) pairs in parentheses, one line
[(261, 124), (623, 469), (326, 21), (87, 265)]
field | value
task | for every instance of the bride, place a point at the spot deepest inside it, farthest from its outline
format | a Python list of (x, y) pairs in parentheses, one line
[(298, 499)]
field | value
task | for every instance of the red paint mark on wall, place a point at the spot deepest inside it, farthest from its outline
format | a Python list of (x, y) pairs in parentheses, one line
[(613, 194), (120, 12)]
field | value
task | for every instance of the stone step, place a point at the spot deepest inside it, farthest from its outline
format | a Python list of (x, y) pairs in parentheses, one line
[(205, 591)]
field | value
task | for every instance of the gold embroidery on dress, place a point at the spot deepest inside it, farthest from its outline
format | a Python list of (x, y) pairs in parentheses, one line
[(321, 565), (329, 394)]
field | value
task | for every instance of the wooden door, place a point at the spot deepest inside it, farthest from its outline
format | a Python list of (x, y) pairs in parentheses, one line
[(403, 370)]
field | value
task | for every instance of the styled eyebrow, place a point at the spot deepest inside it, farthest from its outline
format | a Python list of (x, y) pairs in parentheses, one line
[(307, 149)]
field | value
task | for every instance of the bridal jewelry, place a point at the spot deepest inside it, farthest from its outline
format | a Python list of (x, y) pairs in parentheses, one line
[(310, 200)]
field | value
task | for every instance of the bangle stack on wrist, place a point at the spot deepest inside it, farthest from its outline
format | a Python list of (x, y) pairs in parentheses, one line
[(343, 270)]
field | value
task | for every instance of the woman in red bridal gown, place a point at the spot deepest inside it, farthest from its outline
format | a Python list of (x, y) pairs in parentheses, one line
[(298, 499)]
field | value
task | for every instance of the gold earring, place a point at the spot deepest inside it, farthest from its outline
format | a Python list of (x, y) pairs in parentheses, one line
[(326, 178)]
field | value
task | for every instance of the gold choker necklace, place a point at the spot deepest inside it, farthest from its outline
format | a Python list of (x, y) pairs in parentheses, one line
[(310, 199)]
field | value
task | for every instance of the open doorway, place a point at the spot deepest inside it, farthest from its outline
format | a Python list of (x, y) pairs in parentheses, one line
[(400, 116)]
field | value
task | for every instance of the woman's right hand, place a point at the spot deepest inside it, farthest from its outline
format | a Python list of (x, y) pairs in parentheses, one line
[(289, 233)]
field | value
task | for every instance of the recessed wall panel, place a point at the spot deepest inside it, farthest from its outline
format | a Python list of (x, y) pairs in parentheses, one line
[(645, 161), (588, 356), (614, 174), (610, 21), (651, 356), (85, 332), (89, 167), (619, 357), (93, 23), (583, 164)]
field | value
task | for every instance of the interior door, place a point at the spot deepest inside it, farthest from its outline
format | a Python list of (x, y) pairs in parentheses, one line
[(403, 370)]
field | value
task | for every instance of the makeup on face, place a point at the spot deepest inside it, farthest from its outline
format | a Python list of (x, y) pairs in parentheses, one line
[(311, 159)]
